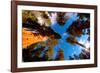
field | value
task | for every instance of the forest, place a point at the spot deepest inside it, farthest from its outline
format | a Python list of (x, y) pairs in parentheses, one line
[(54, 36)]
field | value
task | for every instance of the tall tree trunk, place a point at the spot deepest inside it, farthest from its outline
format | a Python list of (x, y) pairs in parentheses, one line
[(80, 44)]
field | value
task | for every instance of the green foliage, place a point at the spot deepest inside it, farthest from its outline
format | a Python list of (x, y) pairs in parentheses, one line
[(43, 51), (28, 15)]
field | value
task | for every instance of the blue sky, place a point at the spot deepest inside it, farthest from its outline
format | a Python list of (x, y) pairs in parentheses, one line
[(68, 49)]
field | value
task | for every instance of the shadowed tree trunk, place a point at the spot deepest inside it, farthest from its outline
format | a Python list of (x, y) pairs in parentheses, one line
[(72, 40)]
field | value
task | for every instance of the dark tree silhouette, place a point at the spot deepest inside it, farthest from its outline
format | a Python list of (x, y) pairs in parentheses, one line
[(43, 51), (71, 58), (60, 55), (60, 18), (72, 40)]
